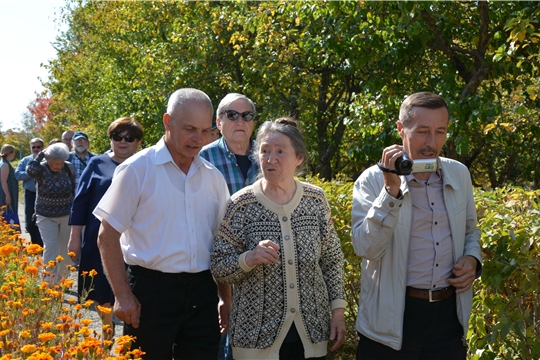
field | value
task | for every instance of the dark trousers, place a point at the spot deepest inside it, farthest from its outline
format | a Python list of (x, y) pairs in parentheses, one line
[(430, 331), (178, 311), (294, 351), (29, 209)]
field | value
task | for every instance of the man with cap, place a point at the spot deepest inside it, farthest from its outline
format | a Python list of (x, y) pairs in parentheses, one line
[(80, 156), (29, 186)]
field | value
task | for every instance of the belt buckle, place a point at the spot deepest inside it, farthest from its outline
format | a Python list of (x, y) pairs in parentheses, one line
[(431, 297)]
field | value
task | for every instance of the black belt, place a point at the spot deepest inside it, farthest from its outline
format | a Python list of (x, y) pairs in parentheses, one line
[(139, 270), (431, 295)]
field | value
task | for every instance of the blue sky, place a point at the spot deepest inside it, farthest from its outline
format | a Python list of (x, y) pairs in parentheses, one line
[(27, 28)]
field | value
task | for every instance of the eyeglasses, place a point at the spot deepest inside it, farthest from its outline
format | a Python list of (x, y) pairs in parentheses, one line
[(233, 115), (117, 137), (37, 147)]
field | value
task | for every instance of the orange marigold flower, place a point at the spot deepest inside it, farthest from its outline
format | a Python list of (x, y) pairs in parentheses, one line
[(40, 356), (47, 325), (34, 249), (32, 270), (28, 348), (72, 254), (92, 273), (104, 309), (84, 273), (46, 337), (25, 334), (88, 303), (59, 258), (86, 322), (7, 249)]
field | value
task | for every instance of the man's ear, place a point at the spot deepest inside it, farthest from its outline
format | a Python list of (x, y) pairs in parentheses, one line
[(166, 120), (400, 128)]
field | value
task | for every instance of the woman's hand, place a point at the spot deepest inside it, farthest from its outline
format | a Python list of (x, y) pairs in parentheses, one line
[(75, 240), (337, 328), (264, 253), (8, 199)]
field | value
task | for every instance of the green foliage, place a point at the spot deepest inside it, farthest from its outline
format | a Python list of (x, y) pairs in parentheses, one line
[(339, 195), (505, 323)]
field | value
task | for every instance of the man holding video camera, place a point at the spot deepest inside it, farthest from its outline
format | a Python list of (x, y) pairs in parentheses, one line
[(414, 224)]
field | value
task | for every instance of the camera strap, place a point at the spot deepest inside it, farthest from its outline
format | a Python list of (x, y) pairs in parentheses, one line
[(385, 169)]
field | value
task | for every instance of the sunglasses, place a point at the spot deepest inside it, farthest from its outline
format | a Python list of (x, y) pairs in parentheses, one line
[(233, 115), (117, 137)]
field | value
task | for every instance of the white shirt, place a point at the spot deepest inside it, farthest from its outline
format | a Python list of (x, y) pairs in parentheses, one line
[(167, 218)]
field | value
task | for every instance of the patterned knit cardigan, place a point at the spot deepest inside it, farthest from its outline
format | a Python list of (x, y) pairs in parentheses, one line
[(302, 287)]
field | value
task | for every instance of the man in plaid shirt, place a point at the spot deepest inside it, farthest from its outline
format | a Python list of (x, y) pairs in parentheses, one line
[(80, 156), (232, 154)]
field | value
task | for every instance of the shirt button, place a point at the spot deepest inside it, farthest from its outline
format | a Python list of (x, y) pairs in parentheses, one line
[(291, 286), (290, 262), (287, 237), (435, 223), (284, 218), (293, 310), (391, 204)]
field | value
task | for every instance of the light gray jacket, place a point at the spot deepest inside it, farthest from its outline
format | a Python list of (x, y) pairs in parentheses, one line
[(381, 227)]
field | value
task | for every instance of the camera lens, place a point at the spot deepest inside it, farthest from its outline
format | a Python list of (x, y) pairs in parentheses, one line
[(404, 165)]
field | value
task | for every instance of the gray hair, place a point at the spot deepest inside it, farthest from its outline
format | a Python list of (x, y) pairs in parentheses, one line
[(419, 99), (229, 99), (181, 96), (288, 127), (58, 151), (37, 140)]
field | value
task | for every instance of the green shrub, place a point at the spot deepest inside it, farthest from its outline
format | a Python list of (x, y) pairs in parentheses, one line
[(505, 322)]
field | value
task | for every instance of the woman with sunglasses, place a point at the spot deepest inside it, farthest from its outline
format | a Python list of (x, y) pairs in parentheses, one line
[(125, 135)]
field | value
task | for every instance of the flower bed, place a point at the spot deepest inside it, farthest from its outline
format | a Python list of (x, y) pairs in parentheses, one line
[(35, 320)]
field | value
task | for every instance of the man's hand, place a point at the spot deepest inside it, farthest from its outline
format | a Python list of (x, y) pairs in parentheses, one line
[(224, 309), (392, 182), (464, 273), (128, 309), (337, 328)]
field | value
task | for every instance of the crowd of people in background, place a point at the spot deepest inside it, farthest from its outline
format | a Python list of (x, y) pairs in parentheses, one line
[(209, 247)]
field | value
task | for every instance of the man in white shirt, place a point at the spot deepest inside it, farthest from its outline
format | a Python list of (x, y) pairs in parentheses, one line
[(160, 215), (420, 244)]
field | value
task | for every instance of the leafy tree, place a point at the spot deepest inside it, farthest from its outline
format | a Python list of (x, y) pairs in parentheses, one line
[(341, 68)]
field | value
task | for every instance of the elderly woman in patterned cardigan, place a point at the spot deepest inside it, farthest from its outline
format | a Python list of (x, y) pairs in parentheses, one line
[(278, 246), (55, 185)]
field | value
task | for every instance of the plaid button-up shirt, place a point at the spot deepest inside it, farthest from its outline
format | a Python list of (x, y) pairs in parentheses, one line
[(224, 160), (79, 164)]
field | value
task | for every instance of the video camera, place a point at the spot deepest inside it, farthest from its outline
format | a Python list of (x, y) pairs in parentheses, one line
[(406, 166)]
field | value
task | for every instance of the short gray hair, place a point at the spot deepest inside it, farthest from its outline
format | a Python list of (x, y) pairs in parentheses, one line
[(181, 96), (288, 127), (229, 99), (419, 99), (37, 140), (58, 151)]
